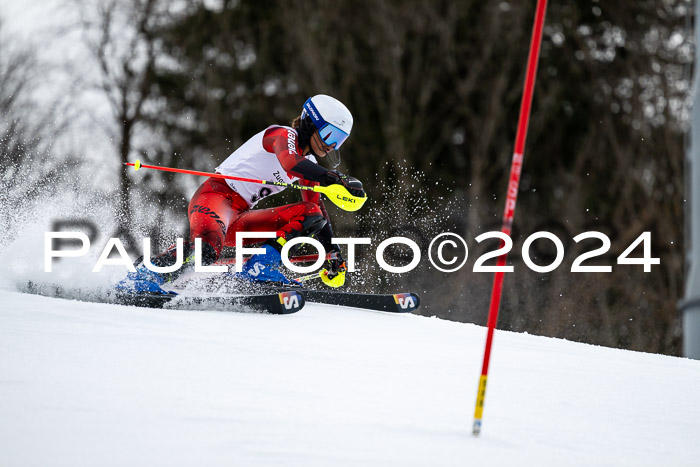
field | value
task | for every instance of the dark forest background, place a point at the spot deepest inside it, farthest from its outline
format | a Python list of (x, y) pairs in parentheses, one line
[(435, 89)]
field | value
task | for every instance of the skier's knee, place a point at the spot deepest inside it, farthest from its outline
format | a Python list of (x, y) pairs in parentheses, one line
[(209, 254), (212, 244)]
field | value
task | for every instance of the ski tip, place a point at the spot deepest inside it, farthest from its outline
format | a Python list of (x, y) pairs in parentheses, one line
[(290, 302), (406, 302)]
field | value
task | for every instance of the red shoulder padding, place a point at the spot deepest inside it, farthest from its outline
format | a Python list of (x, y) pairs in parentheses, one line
[(283, 142)]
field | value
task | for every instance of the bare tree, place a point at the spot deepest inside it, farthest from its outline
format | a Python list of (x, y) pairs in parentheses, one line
[(29, 166), (119, 37)]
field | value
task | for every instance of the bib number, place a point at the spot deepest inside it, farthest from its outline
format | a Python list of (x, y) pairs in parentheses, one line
[(264, 191)]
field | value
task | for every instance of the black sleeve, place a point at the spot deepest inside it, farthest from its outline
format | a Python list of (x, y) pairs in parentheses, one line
[(310, 171), (326, 233)]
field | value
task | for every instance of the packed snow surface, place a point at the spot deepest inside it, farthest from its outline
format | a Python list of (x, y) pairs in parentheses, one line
[(95, 384)]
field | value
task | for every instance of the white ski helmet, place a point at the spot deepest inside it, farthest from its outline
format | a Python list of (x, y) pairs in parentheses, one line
[(332, 119)]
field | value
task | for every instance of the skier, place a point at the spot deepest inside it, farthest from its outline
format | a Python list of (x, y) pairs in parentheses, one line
[(220, 208)]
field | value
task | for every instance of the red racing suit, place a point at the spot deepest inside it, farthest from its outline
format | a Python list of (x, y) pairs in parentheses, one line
[(220, 208)]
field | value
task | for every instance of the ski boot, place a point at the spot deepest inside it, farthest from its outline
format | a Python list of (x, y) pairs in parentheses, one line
[(264, 268), (143, 281)]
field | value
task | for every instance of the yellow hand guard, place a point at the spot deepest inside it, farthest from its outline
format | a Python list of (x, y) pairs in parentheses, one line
[(337, 281)]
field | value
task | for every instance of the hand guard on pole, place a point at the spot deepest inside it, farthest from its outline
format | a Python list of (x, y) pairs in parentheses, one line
[(334, 274), (353, 185)]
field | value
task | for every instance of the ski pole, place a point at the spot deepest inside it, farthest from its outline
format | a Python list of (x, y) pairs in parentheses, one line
[(319, 275), (338, 194), (509, 211), (309, 277)]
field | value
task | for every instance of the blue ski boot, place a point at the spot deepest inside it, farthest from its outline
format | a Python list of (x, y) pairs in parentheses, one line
[(143, 281), (264, 267)]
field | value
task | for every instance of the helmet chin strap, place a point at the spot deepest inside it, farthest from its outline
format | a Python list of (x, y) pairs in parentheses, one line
[(333, 157), (311, 150)]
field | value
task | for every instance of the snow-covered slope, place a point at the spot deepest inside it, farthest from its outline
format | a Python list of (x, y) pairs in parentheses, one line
[(90, 384)]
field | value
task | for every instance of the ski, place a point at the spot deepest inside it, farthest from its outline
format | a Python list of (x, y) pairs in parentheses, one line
[(254, 298), (226, 284), (276, 303), (393, 303), (282, 303)]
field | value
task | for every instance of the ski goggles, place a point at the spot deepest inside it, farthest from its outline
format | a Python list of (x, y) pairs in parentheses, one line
[(330, 134)]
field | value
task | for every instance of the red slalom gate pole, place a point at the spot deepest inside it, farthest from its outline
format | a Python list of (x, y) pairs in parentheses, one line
[(511, 197)]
